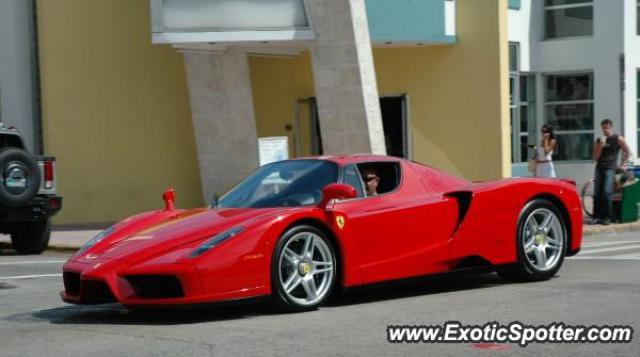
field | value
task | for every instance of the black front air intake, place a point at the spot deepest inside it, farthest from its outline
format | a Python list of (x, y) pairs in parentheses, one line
[(156, 286), (71, 283), (96, 292)]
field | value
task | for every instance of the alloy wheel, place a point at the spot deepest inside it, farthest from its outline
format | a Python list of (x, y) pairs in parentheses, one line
[(543, 239), (306, 268)]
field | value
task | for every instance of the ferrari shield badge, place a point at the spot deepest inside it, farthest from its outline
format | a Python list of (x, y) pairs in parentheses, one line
[(340, 221)]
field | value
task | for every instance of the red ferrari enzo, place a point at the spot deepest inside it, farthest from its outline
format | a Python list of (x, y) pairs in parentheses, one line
[(297, 230)]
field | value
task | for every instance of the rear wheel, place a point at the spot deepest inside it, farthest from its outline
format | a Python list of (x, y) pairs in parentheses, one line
[(587, 198), (540, 243), (303, 269), (32, 237)]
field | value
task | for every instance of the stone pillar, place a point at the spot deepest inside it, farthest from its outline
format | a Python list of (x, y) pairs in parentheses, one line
[(345, 79), (223, 118)]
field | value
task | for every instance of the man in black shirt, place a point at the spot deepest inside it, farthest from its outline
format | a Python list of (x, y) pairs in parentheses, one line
[(605, 153)]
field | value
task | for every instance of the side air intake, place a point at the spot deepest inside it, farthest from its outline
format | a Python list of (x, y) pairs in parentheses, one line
[(464, 201)]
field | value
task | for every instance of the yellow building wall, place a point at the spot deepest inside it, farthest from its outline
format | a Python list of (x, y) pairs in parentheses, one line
[(115, 111), (277, 85), (458, 94)]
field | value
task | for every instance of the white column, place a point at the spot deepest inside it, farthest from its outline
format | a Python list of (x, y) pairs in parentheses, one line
[(223, 118), (345, 79)]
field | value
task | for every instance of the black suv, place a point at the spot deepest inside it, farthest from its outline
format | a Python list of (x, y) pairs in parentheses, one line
[(27, 194)]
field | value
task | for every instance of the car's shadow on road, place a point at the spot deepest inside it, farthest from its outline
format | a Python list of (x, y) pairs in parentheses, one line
[(115, 314), (423, 286)]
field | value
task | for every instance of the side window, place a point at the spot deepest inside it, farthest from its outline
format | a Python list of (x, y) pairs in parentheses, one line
[(380, 177), (352, 177)]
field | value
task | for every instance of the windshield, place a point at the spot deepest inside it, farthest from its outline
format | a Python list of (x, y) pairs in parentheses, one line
[(283, 184)]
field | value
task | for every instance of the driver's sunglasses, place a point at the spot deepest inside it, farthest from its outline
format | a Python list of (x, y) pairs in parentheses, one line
[(370, 177)]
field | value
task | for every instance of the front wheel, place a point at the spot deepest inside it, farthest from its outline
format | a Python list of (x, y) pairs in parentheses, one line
[(541, 242), (303, 269), (32, 237)]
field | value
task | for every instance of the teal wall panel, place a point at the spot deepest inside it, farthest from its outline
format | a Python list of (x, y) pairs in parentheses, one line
[(407, 21)]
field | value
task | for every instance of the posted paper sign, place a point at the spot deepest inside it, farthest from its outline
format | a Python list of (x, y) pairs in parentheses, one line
[(272, 149)]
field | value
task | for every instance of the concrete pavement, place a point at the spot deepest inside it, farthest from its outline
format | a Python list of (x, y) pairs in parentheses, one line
[(597, 287)]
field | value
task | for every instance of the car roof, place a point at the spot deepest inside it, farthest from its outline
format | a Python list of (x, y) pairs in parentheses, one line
[(343, 160)]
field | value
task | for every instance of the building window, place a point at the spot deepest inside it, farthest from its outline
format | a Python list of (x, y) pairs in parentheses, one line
[(568, 18), (569, 111), (228, 15), (522, 108)]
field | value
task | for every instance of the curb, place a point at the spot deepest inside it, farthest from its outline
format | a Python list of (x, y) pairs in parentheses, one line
[(63, 248), (613, 228), (52, 247)]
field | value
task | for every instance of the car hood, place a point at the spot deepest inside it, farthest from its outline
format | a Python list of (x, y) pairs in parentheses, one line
[(183, 228)]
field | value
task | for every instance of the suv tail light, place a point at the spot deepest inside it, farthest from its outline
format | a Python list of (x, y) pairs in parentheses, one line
[(48, 174)]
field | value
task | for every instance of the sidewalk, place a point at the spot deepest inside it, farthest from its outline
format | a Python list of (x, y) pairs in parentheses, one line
[(612, 228), (70, 239)]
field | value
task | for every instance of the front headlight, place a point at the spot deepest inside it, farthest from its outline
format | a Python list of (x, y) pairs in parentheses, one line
[(100, 236), (215, 240)]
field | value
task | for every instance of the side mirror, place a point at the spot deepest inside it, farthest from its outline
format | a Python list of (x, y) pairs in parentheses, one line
[(336, 191), (169, 197)]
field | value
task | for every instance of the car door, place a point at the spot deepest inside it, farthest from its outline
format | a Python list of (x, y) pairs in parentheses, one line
[(398, 233)]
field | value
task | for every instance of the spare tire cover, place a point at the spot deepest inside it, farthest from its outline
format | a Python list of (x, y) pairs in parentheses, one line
[(19, 177)]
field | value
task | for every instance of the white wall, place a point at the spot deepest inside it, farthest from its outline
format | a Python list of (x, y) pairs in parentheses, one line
[(599, 54), (520, 30), (632, 65), (450, 18)]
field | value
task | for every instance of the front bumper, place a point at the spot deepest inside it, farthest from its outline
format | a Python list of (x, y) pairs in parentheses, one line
[(112, 280)]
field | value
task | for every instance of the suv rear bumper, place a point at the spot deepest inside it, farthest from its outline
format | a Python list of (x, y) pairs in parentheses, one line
[(38, 208)]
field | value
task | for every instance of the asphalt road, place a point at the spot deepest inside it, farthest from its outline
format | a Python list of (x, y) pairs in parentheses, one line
[(599, 286)]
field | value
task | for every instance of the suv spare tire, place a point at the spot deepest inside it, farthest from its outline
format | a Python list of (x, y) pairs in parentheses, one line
[(19, 176)]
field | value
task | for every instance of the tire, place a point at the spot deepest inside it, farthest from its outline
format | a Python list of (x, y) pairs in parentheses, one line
[(31, 238), (303, 269), (19, 177), (587, 198), (541, 228)]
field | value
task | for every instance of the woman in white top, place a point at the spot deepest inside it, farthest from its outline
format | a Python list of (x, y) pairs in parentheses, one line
[(544, 153)]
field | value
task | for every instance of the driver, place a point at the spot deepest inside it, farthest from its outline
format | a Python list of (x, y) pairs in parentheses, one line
[(371, 181)]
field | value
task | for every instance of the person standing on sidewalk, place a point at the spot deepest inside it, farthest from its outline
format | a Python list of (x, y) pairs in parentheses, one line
[(544, 152), (605, 153)]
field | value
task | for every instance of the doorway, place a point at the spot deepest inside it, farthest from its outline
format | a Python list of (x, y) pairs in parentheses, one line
[(306, 136), (308, 139), (395, 125)]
